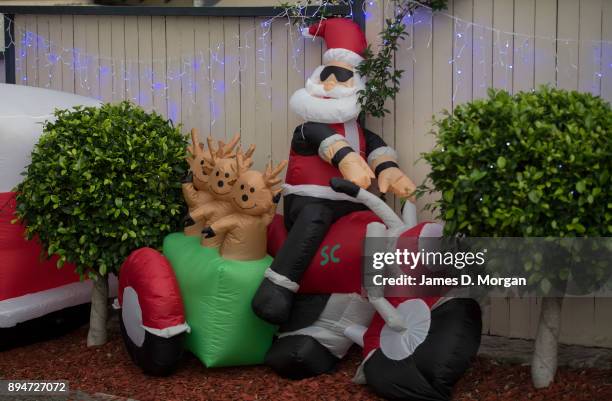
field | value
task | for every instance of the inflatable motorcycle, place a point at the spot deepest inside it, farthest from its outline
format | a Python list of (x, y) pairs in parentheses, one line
[(413, 347)]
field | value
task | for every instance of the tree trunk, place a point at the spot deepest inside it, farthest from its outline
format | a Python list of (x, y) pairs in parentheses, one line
[(544, 362), (99, 312)]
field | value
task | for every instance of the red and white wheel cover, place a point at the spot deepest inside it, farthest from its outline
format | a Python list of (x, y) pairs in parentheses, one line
[(398, 345), (131, 314)]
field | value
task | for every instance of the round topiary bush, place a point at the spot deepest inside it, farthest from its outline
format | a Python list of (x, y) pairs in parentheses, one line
[(103, 182), (533, 164), (536, 164)]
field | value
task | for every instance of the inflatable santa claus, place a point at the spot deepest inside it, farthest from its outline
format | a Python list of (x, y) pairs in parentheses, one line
[(331, 143)]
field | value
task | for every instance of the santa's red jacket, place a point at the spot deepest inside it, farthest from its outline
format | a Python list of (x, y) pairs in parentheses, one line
[(308, 174)]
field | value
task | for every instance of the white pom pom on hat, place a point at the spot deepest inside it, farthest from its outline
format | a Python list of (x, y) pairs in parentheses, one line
[(345, 40)]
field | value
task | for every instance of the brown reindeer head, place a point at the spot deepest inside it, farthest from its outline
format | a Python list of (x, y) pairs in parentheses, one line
[(254, 192), (199, 162), (224, 171)]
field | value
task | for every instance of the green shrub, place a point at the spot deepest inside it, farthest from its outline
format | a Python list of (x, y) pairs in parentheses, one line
[(103, 182), (534, 164)]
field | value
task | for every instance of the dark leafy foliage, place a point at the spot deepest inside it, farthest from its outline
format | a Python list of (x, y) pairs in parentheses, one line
[(103, 182), (378, 67), (534, 164)]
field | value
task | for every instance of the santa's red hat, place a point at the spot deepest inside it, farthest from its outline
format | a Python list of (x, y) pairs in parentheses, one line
[(345, 40)]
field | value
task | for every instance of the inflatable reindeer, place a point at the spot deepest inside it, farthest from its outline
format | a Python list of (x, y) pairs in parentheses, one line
[(195, 184), (254, 195), (223, 174)]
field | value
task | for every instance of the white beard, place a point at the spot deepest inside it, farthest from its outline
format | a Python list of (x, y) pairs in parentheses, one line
[(341, 105)]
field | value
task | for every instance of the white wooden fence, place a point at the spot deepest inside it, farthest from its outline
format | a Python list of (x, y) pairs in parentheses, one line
[(225, 75), (449, 61)]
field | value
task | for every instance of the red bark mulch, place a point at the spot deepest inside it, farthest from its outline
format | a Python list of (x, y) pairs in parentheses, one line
[(109, 370)]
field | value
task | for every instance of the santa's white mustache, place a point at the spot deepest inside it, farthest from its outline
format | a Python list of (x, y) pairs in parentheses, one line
[(319, 109), (338, 91)]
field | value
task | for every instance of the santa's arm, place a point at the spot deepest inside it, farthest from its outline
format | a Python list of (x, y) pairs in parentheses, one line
[(310, 136), (382, 159), (380, 155), (334, 149)]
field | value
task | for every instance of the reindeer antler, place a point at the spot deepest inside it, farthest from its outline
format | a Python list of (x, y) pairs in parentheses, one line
[(244, 161), (271, 173), (194, 138), (250, 151), (228, 149), (248, 156), (211, 149), (194, 148), (240, 167)]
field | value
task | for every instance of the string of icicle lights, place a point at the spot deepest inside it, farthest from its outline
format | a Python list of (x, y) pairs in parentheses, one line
[(509, 48), (195, 69)]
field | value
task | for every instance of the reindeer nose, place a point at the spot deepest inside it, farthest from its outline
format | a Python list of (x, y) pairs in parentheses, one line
[(220, 183), (245, 198)]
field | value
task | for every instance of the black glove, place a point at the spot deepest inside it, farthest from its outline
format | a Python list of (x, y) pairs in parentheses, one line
[(208, 232), (187, 220), (187, 178), (344, 186)]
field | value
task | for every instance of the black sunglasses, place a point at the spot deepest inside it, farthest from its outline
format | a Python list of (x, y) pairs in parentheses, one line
[(341, 74)]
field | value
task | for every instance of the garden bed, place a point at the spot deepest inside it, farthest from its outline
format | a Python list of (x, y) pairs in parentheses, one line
[(108, 370)]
